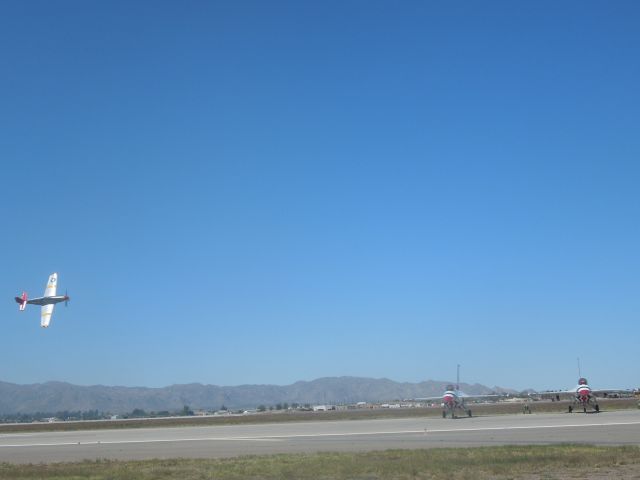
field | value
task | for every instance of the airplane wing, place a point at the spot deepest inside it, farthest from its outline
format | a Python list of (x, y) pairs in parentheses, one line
[(612, 392), (573, 392), (557, 393), (52, 284), (46, 311), (464, 396), (567, 394), (480, 397), (430, 399)]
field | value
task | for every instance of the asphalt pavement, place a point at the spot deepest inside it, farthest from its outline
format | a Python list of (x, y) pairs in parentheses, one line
[(606, 428)]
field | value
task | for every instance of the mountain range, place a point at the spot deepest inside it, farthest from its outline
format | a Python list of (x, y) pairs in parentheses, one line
[(60, 396)]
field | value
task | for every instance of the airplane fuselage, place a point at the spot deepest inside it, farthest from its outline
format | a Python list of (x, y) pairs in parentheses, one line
[(47, 300), (585, 398), (450, 398), (452, 401), (583, 395)]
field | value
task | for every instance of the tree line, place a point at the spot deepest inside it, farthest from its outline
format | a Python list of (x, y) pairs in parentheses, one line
[(76, 415)]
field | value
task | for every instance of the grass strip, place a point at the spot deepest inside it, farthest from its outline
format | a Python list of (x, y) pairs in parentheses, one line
[(506, 462)]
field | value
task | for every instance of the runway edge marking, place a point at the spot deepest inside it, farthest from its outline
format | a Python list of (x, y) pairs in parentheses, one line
[(312, 435)]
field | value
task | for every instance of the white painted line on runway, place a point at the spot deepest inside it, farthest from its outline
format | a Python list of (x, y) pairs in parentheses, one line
[(531, 427), (317, 435), (158, 440)]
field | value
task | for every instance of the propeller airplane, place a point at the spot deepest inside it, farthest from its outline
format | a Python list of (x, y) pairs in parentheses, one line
[(47, 301)]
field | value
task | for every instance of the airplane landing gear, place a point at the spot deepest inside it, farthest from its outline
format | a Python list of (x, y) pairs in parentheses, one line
[(468, 413), (597, 408)]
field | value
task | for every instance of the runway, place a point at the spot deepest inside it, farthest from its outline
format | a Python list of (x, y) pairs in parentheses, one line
[(606, 428)]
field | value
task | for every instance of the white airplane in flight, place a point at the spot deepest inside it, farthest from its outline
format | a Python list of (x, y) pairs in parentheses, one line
[(47, 302)]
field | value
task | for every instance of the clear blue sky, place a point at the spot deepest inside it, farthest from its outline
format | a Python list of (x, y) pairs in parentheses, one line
[(265, 192)]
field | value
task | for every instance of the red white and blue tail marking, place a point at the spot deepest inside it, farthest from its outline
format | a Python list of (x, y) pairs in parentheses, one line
[(22, 301)]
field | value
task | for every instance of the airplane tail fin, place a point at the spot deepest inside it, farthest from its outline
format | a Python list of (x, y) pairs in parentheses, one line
[(22, 301)]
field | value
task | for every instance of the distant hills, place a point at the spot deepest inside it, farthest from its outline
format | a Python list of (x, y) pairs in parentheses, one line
[(60, 396)]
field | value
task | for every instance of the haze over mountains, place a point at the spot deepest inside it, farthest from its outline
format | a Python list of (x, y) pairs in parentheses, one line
[(59, 396)]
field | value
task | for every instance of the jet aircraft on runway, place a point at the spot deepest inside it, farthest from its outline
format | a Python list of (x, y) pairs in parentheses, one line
[(47, 302), (583, 396), (454, 399)]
